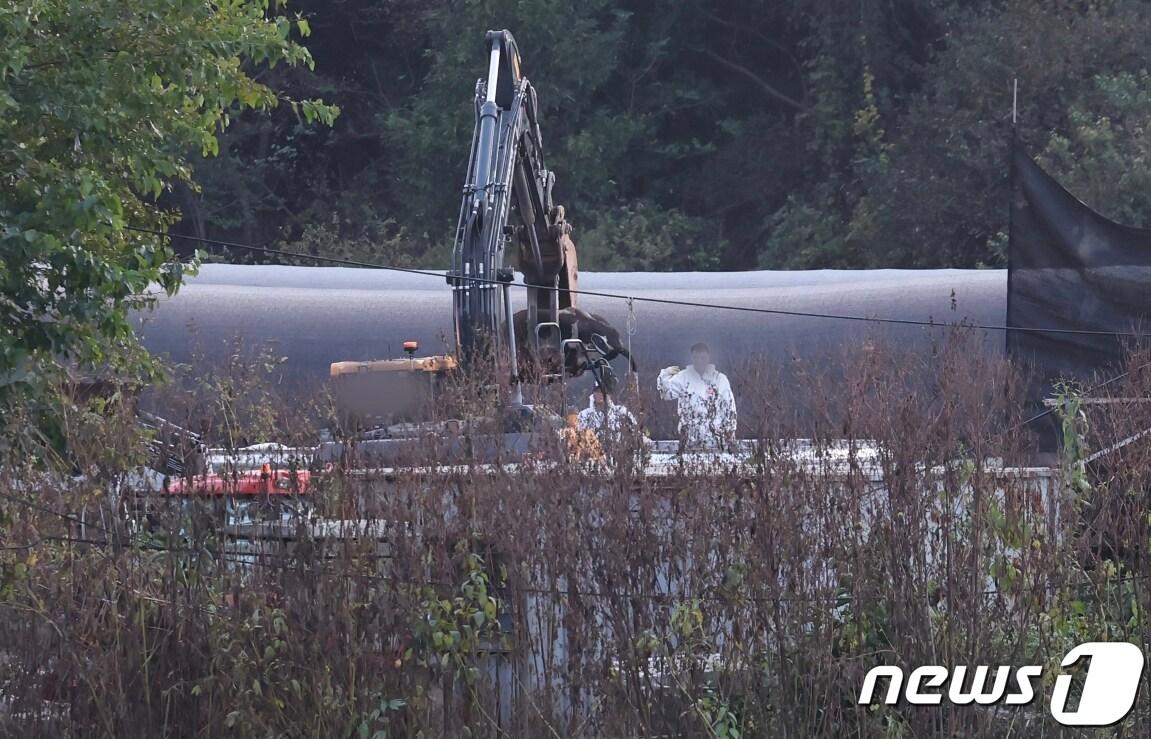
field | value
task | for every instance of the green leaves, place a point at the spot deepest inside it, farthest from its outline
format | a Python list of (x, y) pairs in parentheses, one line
[(314, 111), (101, 104)]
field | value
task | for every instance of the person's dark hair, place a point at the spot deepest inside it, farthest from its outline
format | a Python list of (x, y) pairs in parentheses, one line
[(699, 346)]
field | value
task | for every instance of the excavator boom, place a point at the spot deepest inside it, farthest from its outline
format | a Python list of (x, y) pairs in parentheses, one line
[(507, 206), (508, 221)]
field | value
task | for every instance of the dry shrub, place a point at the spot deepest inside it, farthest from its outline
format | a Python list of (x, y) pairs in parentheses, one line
[(885, 516)]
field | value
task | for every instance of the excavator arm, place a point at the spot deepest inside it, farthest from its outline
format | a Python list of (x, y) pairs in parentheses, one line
[(508, 219)]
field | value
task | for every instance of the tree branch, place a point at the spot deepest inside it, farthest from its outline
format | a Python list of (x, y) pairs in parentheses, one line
[(769, 89)]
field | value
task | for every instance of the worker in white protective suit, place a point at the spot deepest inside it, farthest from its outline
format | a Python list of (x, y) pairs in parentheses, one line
[(706, 404), (603, 415)]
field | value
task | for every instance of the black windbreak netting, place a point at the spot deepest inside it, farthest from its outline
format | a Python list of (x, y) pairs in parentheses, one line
[(1070, 270)]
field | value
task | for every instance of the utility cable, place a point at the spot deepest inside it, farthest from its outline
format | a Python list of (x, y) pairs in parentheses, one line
[(631, 300), (636, 298)]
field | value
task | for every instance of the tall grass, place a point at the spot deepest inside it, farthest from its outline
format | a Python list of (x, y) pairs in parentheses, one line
[(556, 595)]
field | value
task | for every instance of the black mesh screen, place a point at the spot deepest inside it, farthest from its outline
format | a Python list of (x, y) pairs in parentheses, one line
[(1070, 268)]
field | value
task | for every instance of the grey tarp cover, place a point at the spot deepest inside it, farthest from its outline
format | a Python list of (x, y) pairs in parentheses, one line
[(318, 315)]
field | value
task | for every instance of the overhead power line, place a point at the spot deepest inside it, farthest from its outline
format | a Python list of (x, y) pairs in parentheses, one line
[(638, 299)]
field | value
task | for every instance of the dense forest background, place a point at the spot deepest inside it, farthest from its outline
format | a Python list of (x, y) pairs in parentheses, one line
[(700, 134)]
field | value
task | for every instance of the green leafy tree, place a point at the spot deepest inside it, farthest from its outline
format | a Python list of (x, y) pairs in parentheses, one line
[(702, 134), (101, 104), (943, 200), (1104, 153)]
